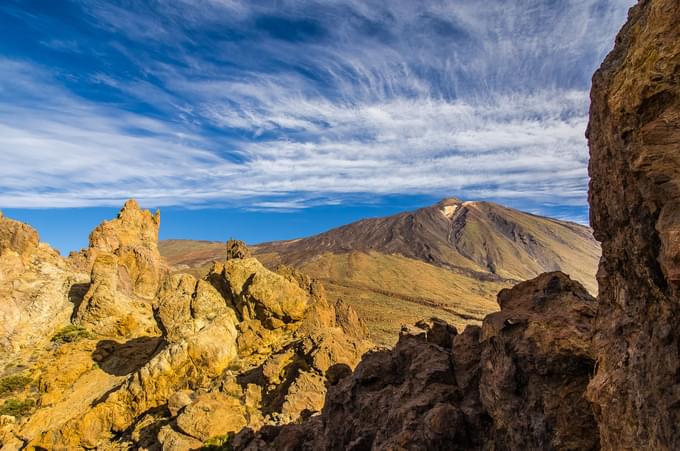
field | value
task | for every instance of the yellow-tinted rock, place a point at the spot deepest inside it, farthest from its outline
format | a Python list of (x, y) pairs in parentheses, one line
[(260, 293), (17, 237), (34, 291), (211, 415), (109, 311), (171, 440), (133, 238)]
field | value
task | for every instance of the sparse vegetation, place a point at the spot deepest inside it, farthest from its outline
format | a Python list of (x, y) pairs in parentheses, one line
[(70, 334), (17, 408), (218, 443), (10, 384)]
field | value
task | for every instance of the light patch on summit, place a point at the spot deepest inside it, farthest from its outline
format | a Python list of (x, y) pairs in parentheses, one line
[(449, 210)]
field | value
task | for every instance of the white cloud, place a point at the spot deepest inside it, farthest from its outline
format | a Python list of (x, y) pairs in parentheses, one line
[(456, 99)]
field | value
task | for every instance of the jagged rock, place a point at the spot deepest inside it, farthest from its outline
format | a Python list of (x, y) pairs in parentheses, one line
[(634, 135), (261, 294), (305, 396), (171, 440), (237, 249), (126, 271), (133, 238), (516, 383), (17, 237), (438, 332), (536, 363), (179, 400), (212, 415), (186, 306), (349, 321)]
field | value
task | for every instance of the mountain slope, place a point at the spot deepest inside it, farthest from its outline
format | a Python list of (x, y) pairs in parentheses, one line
[(483, 239), (447, 260)]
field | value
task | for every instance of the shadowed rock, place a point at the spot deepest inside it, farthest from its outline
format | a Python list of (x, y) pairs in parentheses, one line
[(634, 138), (518, 383)]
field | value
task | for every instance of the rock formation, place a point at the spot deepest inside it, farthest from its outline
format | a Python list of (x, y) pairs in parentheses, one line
[(517, 382), (133, 238), (126, 271), (34, 289), (634, 137), (237, 249), (200, 358)]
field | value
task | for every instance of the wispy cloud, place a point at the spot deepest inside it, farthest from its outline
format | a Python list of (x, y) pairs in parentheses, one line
[(282, 105)]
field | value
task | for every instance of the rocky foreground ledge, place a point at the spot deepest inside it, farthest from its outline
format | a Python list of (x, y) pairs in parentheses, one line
[(517, 382)]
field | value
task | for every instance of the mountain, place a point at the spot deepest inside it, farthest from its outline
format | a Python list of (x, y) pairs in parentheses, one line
[(447, 260)]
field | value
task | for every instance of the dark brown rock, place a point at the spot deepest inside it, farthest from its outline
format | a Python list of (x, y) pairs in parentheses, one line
[(634, 138), (536, 364), (516, 383)]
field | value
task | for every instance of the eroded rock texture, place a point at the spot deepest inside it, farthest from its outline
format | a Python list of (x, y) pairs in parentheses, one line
[(34, 289), (159, 361), (126, 272), (243, 347), (516, 383), (634, 138)]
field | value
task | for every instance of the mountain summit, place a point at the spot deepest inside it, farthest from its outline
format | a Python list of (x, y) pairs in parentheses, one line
[(481, 238)]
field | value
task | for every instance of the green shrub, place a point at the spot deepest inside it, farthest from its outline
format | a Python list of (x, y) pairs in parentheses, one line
[(217, 443), (13, 383), (70, 334), (17, 408)]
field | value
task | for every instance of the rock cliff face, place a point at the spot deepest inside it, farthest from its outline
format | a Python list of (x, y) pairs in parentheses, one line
[(634, 138)]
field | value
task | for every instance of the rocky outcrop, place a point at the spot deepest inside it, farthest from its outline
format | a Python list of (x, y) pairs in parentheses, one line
[(243, 347), (126, 272), (237, 249), (133, 238), (17, 237), (536, 362), (34, 289), (516, 383), (634, 137)]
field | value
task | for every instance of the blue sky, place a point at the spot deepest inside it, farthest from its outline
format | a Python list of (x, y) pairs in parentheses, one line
[(274, 119)]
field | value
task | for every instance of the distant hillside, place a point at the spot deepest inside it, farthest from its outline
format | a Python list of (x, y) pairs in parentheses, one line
[(446, 260)]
